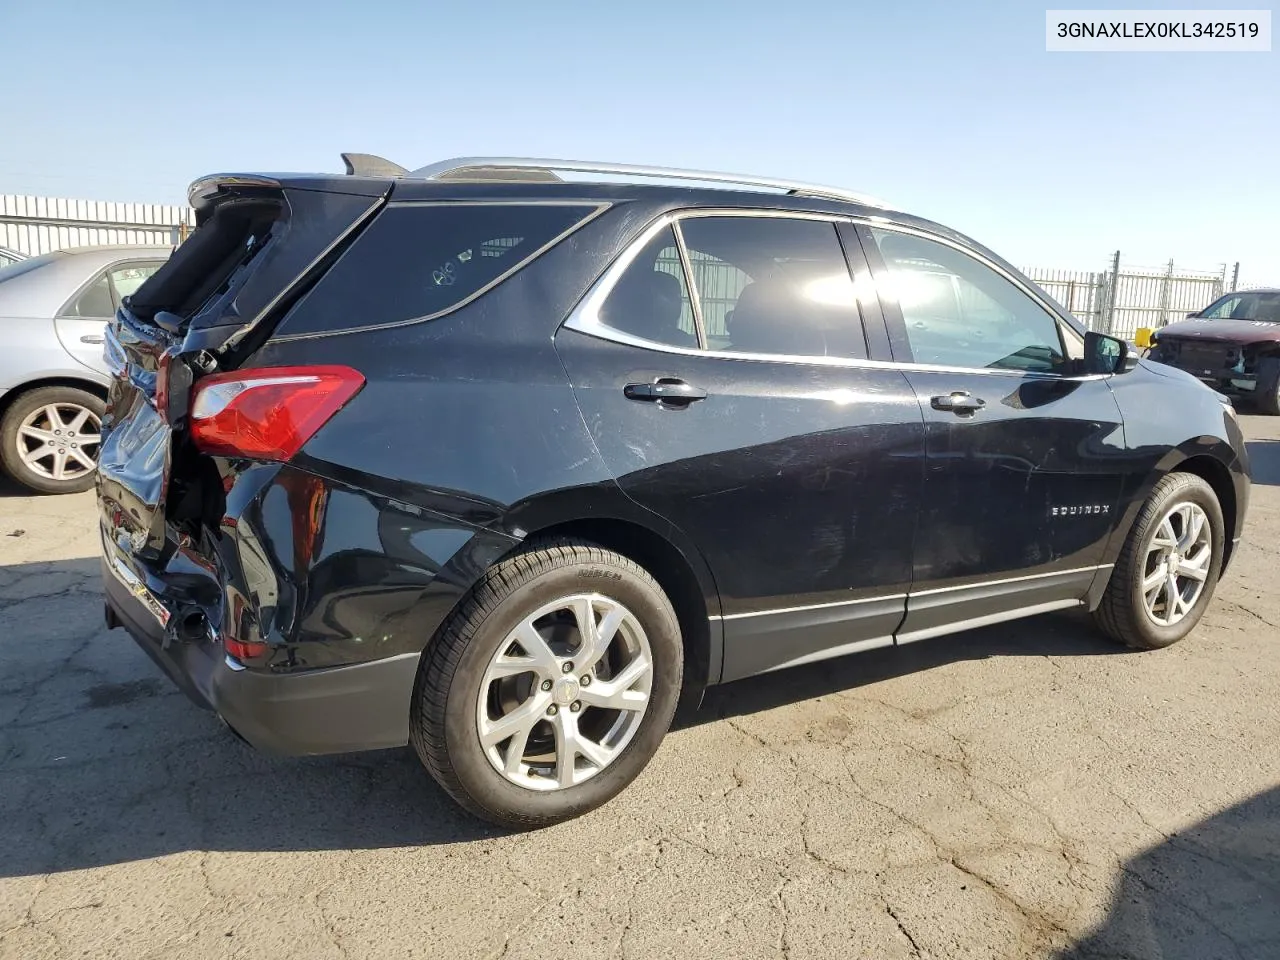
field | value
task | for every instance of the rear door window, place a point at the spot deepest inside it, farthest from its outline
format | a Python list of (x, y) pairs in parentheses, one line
[(128, 277), (651, 298), (774, 285), (101, 298), (419, 260)]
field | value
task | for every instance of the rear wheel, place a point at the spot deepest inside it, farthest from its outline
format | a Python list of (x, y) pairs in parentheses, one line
[(550, 688), (49, 439), (1169, 567)]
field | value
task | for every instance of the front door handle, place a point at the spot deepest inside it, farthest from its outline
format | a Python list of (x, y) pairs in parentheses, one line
[(667, 391), (959, 402), (92, 338)]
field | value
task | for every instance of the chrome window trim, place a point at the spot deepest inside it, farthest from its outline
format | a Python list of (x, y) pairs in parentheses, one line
[(599, 208), (916, 593), (695, 301), (585, 317)]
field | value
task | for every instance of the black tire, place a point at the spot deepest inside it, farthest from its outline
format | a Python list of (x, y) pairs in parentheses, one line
[(443, 719), (1267, 391), (24, 406), (1122, 614)]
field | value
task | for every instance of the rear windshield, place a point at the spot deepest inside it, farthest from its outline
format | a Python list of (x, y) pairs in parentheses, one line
[(419, 260), (1246, 306), (201, 266)]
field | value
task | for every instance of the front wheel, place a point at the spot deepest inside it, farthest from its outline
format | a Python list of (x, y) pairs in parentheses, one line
[(551, 687), (1168, 568), (1267, 388), (49, 439)]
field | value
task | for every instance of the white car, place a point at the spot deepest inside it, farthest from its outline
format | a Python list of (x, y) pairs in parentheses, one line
[(53, 381)]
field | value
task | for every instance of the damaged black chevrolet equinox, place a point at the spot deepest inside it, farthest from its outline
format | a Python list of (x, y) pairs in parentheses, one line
[(500, 458)]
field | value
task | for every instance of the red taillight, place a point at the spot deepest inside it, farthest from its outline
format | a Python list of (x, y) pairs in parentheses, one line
[(242, 649), (267, 413)]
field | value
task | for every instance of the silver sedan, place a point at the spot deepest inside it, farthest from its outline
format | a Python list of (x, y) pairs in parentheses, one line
[(53, 309)]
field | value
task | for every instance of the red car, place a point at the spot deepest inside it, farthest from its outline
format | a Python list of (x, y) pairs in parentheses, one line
[(1233, 345)]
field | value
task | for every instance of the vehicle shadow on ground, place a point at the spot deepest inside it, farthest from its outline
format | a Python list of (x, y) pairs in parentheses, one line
[(102, 761), (1211, 891), (1264, 461)]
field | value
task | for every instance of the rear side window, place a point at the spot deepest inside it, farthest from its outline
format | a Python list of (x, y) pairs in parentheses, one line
[(128, 278), (416, 261), (95, 301)]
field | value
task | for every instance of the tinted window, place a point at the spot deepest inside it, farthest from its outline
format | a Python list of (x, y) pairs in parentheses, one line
[(651, 298), (961, 313), (418, 260), (773, 285), (95, 301)]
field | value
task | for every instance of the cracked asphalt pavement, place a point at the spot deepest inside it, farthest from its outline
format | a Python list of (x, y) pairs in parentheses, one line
[(1026, 790)]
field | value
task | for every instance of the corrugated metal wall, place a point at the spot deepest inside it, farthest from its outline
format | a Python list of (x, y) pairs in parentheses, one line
[(34, 225)]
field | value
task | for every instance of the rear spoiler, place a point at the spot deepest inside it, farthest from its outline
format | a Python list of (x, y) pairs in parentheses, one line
[(357, 164)]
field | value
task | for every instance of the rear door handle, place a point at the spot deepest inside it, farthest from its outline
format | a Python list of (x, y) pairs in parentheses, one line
[(668, 391), (92, 338), (959, 402)]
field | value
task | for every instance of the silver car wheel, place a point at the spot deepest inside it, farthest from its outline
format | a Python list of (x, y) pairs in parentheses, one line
[(565, 692), (60, 441), (1177, 563)]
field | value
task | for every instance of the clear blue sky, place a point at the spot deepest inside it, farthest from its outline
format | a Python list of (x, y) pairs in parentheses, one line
[(951, 110)]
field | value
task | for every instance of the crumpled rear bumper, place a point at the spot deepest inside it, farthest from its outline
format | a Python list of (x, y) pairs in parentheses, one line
[(342, 709)]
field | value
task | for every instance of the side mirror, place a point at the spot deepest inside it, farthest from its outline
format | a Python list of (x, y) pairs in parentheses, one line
[(1104, 354)]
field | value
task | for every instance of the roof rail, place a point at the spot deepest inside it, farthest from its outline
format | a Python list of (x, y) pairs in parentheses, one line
[(529, 168)]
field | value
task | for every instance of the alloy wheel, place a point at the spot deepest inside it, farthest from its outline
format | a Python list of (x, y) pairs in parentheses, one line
[(1177, 563), (565, 692), (60, 441)]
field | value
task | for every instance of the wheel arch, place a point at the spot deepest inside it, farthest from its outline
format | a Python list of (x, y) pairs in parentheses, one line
[(78, 383), (675, 574), (1214, 461), (603, 514), (1215, 473)]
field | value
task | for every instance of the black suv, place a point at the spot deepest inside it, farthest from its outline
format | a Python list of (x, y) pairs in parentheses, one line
[(502, 464)]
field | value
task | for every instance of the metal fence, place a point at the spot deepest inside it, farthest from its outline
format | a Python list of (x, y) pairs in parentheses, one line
[(1122, 299), (35, 225)]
